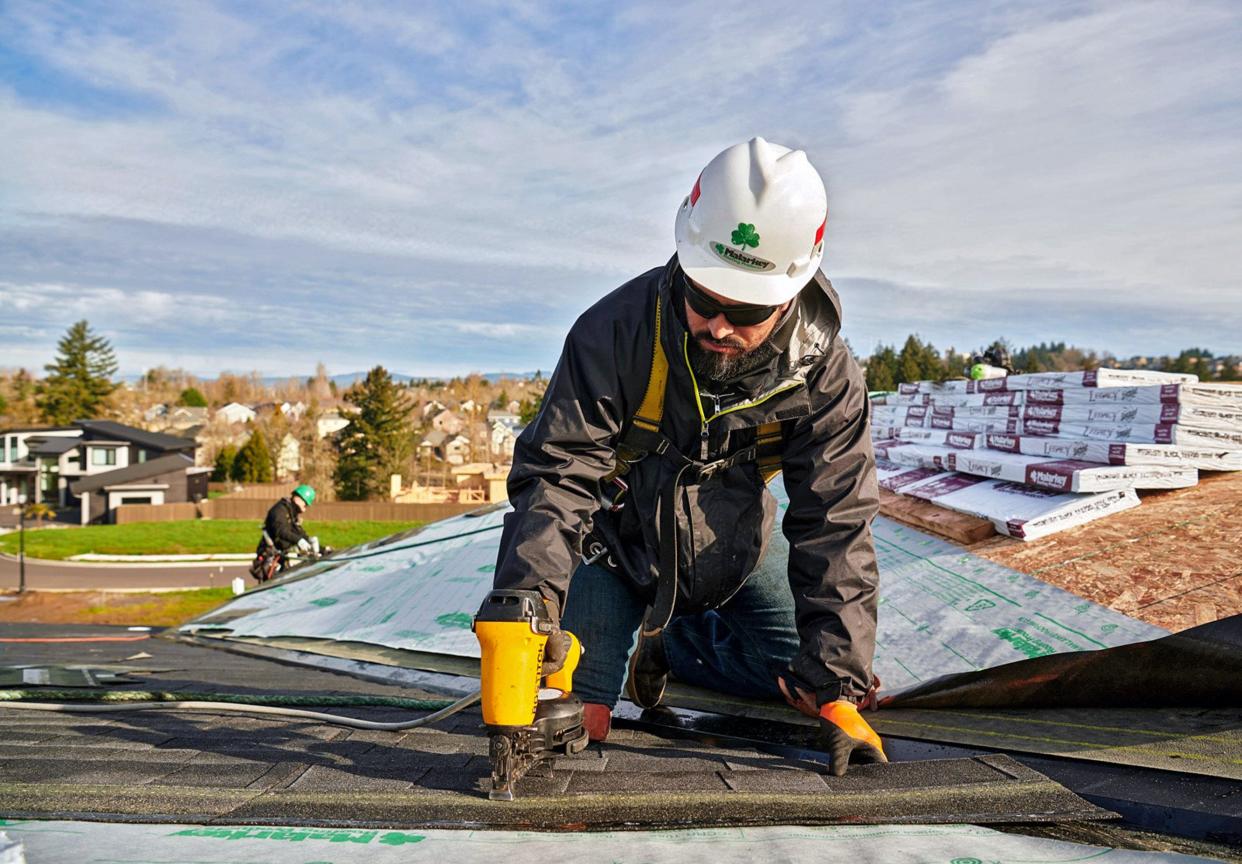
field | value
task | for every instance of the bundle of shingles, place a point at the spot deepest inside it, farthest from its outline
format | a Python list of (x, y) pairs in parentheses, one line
[(1039, 453)]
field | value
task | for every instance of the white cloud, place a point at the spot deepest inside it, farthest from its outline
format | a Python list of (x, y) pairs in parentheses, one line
[(522, 160)]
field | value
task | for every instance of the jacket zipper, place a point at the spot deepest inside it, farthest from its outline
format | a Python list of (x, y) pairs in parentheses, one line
[(717, 412)]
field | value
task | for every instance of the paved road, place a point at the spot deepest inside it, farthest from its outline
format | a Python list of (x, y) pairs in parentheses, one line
[(58, 574)]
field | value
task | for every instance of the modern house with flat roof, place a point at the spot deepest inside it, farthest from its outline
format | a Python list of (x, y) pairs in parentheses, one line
[(97, 465)]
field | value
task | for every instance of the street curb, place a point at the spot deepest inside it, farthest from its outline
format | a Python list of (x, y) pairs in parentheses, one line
[(13, 592), (207, 558), (143, 565)]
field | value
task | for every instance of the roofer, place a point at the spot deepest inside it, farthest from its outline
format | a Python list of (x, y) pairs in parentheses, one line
[(282, 532), (675, 399), (992, 363)]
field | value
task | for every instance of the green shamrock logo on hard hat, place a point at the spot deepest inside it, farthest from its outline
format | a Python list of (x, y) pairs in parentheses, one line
[(745, 236)]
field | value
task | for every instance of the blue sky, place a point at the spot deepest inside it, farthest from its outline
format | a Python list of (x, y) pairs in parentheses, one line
[(443, 188)]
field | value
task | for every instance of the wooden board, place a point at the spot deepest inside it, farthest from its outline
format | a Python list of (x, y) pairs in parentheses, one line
[(957, 527), (1174, 562)]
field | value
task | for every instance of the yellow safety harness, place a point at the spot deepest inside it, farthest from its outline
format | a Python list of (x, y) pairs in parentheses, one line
[(642, 437)]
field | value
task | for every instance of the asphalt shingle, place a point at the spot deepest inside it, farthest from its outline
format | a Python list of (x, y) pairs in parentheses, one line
[(204, 767)]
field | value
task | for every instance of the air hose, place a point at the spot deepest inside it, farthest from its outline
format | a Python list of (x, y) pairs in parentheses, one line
[(106, 701)]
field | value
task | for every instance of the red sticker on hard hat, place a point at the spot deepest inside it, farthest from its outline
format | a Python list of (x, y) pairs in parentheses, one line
[(696, 192), (819, 232)]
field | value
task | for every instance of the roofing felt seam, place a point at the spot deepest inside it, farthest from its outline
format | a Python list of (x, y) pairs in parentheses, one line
[(422, 599)]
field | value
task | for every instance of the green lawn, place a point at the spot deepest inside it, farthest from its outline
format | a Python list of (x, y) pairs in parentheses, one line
[(183, 538), (166, 609)]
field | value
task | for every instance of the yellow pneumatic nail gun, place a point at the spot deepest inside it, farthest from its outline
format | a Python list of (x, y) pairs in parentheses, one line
[(526, 722)]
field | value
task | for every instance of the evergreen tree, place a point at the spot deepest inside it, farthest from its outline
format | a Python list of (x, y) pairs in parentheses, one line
[(254, 460), (528, 410), (882, 369), (1189, 361), (933, 368), (880, 377), (80, 379), (910, 361), (223, 469), (1229, 371), (378, 441), (192, 397)]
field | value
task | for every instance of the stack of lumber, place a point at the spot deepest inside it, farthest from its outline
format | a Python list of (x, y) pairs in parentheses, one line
[(1035, 454)]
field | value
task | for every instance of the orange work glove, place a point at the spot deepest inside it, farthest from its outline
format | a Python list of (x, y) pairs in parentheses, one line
[(847, 736), (843, 733)]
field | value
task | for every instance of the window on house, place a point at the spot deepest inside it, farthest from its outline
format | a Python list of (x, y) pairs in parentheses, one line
[(103, 456), (142, 456), (13, 448), (136, 499)]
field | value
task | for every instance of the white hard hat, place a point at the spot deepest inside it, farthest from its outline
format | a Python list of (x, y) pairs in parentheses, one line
[(752, 229)]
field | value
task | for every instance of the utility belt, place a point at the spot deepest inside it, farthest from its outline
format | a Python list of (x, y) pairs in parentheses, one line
[(643, 437)]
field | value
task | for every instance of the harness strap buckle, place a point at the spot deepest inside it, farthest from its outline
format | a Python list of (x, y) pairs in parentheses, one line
[(612, 497)]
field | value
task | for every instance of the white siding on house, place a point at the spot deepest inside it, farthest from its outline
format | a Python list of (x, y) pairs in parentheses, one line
[(235, 412), (137, 495), (97, 456)]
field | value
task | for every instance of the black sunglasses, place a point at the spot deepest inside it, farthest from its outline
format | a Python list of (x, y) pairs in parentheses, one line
[(739, 315)]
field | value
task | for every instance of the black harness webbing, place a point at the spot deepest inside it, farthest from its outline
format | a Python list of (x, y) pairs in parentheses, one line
[(643, 436)]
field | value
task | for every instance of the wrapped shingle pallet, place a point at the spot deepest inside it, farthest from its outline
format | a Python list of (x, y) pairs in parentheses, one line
[(1126, 453), (1058, 475), (1015, 509)]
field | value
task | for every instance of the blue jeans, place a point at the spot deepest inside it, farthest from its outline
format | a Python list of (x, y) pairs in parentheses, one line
[(737, 649)]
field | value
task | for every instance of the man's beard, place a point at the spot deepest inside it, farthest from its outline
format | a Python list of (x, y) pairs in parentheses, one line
[(719, 367)]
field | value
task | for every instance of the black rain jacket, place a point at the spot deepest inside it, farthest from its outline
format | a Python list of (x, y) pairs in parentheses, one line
[(284, 525), (813, 386)]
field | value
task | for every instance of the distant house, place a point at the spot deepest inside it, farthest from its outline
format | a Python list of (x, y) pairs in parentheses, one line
[(202, 438), (453, 449), (235, 412), (430, 445), (185, 416), (155, 412), (448, 422), (330, 423), (292, 410), (484, 479), (503, 439), (98, 465), (28, 455), (432, 407), (509, 418), (289, 458)]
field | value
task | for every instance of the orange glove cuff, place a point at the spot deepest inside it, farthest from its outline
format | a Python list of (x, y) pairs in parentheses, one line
[(844, 715)]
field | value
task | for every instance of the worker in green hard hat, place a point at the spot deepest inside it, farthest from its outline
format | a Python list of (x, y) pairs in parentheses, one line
[(283, 532)]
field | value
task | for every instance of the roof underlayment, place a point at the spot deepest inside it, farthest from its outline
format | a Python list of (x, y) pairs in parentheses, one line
[(942, 610), (86, 843)]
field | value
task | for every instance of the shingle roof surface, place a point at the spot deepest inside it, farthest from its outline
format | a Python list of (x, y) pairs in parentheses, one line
[(132, 473), (162, 766), (154, 440)]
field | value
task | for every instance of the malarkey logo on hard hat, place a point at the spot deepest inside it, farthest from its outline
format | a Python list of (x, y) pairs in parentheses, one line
[(742, 237)]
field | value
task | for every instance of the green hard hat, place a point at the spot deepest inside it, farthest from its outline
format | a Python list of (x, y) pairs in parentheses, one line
[(306, 493), (976, 373)]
